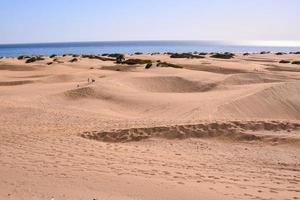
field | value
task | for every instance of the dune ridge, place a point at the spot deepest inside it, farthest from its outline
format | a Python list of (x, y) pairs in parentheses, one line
[(233, 130)]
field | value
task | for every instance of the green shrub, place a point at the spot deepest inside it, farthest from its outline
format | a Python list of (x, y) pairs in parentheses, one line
[(114, 55), (34, 59), (165, 64), (136, 62), (296, 62), (298, 52), (120, 59), (284, 61), (265, 52), (185, 55), (73, 60), (97, 58), (21, 57), (148, 66), (223, 55)]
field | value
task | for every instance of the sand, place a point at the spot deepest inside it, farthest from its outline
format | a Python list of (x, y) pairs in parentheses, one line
[(214, 129)]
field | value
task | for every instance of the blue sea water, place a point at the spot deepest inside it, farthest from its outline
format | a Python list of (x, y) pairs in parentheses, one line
[(12, 50)]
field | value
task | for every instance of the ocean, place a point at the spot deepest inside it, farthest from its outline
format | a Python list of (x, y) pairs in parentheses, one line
[(13, 50)]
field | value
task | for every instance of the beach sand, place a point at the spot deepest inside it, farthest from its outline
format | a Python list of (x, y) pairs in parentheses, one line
[(213, 129)]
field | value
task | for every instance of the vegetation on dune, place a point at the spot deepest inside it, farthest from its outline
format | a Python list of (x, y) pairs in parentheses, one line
[(202, 54), (246, 54), (136, 62), (120, 59), (279, 53), (284, 61), (97, 58), (73, 60), (225, 55), (296, 62), (138, 53), (186, 55), (148, 66), (49, 63), (52, 56), (265, 52), (113, 55), (297, 52), (34, 59), (23, 57), (165, 64)]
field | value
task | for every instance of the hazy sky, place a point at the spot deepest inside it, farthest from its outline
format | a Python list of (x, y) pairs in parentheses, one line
[(25, 21)]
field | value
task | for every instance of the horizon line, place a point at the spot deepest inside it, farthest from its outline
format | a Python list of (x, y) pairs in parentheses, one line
[(259, 43)]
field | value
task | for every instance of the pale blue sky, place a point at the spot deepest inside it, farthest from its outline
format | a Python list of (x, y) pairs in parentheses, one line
[(26, 21)]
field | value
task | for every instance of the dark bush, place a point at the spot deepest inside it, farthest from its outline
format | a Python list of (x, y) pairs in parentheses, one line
[(138, 53), (34, 59), (165, 64), (97, 58), (185, 55), (284, 61), (246, 54), (21, 57), (202, 54), (120, 59), (49, 63), (265, 52), (75, 55), (73, 60), (279, 53), (296, 62), (114, 55), (148, 66), (136, 62), (223, 55), (52, 56), (31, 60)]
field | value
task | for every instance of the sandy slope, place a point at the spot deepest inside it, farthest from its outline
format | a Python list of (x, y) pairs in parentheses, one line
[(216, 129)]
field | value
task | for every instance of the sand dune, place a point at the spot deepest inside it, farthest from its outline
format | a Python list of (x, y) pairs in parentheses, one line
[(280, 101), (213, 129), (14, 83), (252, 78), (235, 130), (168, 84)]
